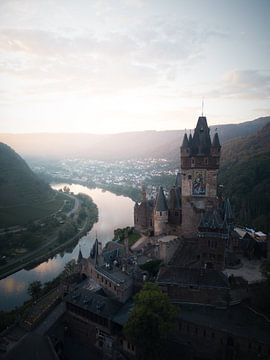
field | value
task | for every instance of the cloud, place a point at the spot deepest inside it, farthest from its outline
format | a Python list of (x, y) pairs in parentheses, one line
[(236, 84), (147, 52), (253, 84)]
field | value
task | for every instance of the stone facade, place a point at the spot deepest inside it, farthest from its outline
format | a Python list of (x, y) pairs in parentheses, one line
[(199, 168)]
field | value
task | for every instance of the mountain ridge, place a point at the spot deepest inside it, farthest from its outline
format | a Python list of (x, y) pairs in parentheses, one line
[(139, 144)]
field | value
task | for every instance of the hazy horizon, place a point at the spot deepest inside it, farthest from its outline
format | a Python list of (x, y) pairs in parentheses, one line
[(128, 132), (104, 67)]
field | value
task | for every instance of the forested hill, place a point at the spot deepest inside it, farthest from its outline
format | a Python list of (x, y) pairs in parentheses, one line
[(245, 174), (22, 194)]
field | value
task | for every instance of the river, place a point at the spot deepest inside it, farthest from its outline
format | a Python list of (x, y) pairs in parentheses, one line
[(113, 212)]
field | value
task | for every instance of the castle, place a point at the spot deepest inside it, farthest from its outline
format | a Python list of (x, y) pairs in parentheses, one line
[(193, 210)]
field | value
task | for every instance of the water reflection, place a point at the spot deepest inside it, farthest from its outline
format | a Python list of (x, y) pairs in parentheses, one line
[(114, 212)]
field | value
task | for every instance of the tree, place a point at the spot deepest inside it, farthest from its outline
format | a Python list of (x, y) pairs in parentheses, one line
[(69, 269), (34, 289), (150, 322)]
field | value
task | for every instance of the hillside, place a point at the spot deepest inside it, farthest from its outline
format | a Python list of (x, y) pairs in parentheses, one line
[(245, 174), (23, 196), (132, 145)]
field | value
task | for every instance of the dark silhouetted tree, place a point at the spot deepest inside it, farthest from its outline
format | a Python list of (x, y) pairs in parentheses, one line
[(150, 322)]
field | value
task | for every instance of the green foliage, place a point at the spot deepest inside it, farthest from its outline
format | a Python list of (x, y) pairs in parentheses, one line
[(245, 174), (152, 267), (34, 289), (150, 322), (127, 232)]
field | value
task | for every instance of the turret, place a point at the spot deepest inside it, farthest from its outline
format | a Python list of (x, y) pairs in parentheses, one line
[(178, 180), (185, 149), (160, 213), (190, 140), (80, 257), (174, 200), (215, 148)]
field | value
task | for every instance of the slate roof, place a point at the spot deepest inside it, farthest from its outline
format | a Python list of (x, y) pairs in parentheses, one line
[(161, 202), (197, 277), (185, 143), (116, 275), (211, 220), (32, 347), (190, 139), (201, 141), (178, 180), (174, 199), (216, 142), (238, 320), (94, 302), (122, 316)]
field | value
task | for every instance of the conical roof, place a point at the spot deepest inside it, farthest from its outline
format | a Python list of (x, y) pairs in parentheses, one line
[(174, 200), (216, 142), (185, 143), (80, 257), (161, 202), (190, 139), (94, 252), (178, 180)]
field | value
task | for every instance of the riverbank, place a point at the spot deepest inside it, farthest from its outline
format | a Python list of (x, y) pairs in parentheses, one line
[(113, 212), (83, 218)]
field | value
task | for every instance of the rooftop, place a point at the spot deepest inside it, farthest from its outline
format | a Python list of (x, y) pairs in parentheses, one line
[(95, 302), (238, 320), (197, 277), (116, 275)]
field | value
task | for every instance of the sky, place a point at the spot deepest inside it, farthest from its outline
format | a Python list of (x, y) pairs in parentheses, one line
[(105, 66)]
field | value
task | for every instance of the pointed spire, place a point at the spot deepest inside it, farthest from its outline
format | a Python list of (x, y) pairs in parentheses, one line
[(174, 200), (185, 143), (228, 214), (190, 139), (178, 180), (161, 202), (216, 142), (80, 257), (201, 142)]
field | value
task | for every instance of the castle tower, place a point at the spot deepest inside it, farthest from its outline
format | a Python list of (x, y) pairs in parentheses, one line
[(160, 214), (199, 169)]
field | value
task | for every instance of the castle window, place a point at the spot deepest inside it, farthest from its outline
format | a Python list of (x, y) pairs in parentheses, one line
[(206, 161), (192, 162), (160, 213)]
